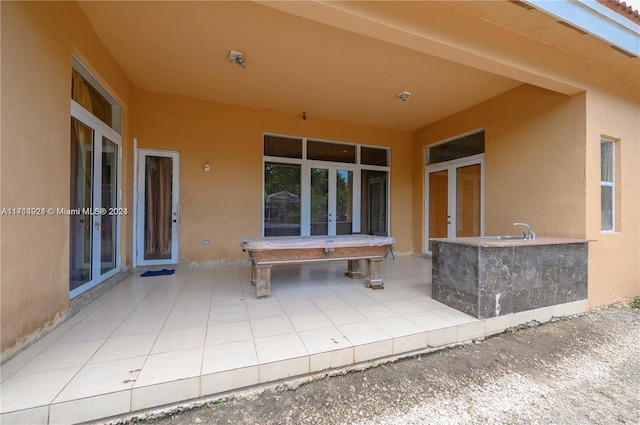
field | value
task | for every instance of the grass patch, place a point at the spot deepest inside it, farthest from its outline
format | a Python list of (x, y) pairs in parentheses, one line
[(636, 302)]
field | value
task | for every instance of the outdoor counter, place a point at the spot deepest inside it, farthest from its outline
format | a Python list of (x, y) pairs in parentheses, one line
[(267, 251), (488, 276)]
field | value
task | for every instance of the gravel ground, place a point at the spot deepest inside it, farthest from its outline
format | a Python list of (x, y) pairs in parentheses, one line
[(582, 370)]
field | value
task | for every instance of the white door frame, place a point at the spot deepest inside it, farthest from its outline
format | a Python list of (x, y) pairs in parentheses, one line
[(100, 130), (332, 201), (451, 167), (140, 207)]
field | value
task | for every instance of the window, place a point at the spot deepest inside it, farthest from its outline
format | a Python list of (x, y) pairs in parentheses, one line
[(334, 152), (461, 147), (314, 187), (281, 199), (607, 185)]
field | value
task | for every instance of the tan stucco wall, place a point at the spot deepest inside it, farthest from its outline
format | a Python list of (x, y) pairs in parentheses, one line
[(225, 203), (542, 152), (38, 40), (528, 130), (614, 258)]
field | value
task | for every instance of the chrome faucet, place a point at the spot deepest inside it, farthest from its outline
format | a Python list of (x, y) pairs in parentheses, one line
[(528, 234)]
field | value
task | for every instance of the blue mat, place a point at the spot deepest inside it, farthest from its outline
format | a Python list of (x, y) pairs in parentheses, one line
[(162, 272)]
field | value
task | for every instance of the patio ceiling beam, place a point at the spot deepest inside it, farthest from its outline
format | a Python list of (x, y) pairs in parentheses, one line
[(443, 41)]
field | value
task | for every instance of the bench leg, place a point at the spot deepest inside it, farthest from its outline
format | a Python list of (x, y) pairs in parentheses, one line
[(261, 277), (354, 269), (374, 273)]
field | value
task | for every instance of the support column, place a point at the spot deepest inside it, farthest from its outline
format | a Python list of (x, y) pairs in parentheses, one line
[(374, 273), (261, 277), (354, 269)]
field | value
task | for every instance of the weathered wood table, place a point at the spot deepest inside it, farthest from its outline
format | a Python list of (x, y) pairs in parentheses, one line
[(265, 252)]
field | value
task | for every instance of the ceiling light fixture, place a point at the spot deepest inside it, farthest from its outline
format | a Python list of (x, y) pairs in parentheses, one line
[(403, 96), (236, 58)]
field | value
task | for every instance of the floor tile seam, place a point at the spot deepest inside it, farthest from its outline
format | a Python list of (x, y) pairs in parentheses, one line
[(204, 343), (59, 393), (430, 329), (113, 333), (317, 329), (172, 308), (232, 369), (254, 336), (312, 312), (53, 397), (155, 341), (173, 380), (100, 394), (33, 356), (388, 337), (459, 319), (79, 366)]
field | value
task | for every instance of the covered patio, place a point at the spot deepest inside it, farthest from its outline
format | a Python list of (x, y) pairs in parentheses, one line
[(201, 333)]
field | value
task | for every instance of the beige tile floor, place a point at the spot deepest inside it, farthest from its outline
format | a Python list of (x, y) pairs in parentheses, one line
[(154, 341)]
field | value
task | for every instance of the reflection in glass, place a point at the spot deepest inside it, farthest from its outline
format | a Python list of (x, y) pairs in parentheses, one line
[(373, 214), (319, 201), (606, 204), (344, 202), (438, 205), (328, 151), (286, 147), (468, 201), (282, 199), (81, 189), (109, 202), (374, 156), (158, 194)]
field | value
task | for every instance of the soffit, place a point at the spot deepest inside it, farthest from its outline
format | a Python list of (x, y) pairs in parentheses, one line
[(342, 61)]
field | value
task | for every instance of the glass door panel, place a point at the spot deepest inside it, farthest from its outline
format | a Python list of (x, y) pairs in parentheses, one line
[(438, 205), (344, 202), (158, 220), (282, 199), (468, 200), (109, 203), (319, 201), (80, 244), (454, 200), (374, 202)]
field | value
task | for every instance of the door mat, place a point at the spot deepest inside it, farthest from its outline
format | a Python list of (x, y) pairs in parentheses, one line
[(162, 272)]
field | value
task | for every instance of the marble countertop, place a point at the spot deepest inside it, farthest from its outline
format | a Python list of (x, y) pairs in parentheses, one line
[(493, 241)]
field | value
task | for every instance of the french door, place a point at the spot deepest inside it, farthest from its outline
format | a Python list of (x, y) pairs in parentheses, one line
[(157, 207), (454, 193), (332, 192), (94, 201)]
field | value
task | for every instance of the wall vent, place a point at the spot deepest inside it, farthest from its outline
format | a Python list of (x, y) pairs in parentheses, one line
[(573, 27), (624, 52), (521, 4)]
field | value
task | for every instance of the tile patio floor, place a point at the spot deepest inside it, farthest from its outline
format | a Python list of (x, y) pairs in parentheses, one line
[(156, 341)]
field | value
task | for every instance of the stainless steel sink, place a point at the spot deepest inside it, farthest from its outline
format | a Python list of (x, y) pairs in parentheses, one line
[(505, 237)]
